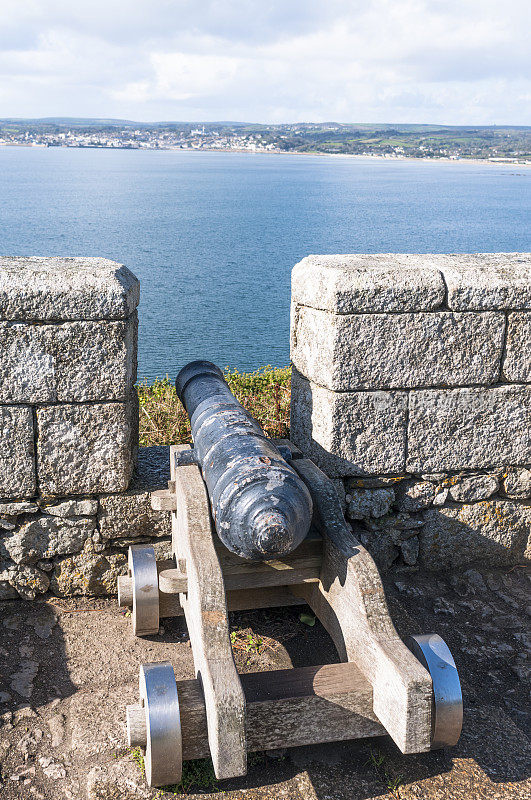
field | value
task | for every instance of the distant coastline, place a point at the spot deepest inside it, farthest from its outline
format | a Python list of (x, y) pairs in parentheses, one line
[(485, 144), (507, 162)]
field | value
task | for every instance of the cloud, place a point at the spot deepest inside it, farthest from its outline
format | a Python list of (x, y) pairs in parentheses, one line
[(373, 61)]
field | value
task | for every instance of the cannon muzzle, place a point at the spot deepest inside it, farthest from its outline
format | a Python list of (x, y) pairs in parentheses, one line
[(261, 508)]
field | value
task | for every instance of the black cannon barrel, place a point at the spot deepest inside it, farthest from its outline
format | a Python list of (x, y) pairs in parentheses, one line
[(260, 506)]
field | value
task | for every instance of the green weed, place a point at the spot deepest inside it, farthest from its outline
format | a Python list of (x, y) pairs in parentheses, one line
[(138, 758), (392, 781), (197, 776), (265, 393)]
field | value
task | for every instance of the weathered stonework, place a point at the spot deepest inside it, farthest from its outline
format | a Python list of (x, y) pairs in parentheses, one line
[(88, 572), (129, 515), (369, 503), (472, 488), (347, 284), (486, 281), (44, 537), (415, 496), (446, 340), (62, 289), (492, 532), (58, 363), (17, 459), (73, 508), (517, 362), (23, 580), (469, 428), (397, 351), (84, 449), (22, 507), (68, 413), (349, 433), (517, 484)]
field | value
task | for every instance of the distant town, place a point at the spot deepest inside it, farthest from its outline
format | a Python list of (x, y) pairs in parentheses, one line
[(490, 143)]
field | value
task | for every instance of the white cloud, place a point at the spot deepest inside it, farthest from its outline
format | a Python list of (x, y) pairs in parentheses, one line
[(379, 60)]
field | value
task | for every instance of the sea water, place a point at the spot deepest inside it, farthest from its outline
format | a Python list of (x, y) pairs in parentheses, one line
[(213, 236)]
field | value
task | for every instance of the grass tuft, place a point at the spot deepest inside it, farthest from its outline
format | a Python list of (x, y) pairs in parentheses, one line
[(265, 393), (390, 778), (197, 775)]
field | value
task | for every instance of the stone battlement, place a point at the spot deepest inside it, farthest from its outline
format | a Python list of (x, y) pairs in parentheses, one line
[(411, 386), (69, 426)]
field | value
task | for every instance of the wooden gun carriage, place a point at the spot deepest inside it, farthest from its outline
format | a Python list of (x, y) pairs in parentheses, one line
[(380, 687)]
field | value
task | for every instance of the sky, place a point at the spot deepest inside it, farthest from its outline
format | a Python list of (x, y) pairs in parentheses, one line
[(449, 62)]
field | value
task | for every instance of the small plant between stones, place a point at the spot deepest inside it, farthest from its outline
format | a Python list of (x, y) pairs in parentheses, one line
[(392, 782), (197, 776)]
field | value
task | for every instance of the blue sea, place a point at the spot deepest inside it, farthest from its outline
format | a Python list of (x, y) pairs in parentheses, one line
[(213, 236)]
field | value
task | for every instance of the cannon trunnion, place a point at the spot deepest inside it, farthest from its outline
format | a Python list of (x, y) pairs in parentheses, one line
[(410, 692)]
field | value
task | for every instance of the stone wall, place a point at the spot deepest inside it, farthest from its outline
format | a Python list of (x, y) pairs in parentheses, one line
[(411, 388), (70, 497)]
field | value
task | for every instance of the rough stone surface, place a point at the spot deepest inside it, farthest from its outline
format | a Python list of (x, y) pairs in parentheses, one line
[(485, 281), (130, 515), (7, 592), (66, 289), (45, 537), (382, 549), (416, 496), (88, 573), (349, 433), (369, 503), (85, 449), (517, 484), (410, 550), (517, 362), (377, 482), (474, 487), (441, 332), (441, 495), (27, 580), (398, 526), (73, 508), (381, 351), (469, 428), (17, 461), (362, 283), (492, 532), (73, 361), (15, 509)]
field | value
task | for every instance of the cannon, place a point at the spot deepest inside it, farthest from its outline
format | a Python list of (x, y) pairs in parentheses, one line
[(260, 507), (409, 689)]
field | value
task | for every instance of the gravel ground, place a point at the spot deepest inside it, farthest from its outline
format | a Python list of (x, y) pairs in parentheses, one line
[(68, 668)]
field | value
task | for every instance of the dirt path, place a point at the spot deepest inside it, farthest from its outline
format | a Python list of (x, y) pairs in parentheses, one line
[(67, 670)]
